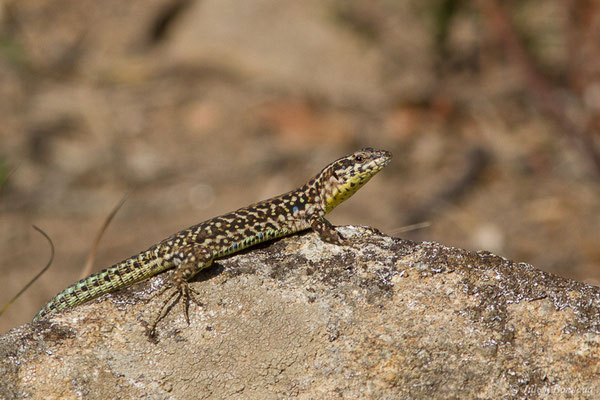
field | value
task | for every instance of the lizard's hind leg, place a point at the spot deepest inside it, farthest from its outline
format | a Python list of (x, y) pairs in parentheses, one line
[(193, 261)]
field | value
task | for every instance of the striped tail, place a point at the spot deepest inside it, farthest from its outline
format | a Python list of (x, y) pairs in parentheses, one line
[(120, 275)]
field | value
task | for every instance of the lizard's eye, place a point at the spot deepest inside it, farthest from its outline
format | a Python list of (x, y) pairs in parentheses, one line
[(359, 158)]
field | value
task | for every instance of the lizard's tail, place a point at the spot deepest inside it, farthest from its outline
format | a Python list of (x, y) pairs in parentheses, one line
[(108, 280)]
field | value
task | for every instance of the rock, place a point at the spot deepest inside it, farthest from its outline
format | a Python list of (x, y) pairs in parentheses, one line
[(383, 318)]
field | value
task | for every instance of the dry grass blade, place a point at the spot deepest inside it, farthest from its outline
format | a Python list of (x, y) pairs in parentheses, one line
[(89, 263), (4, 179), (410, 228), (35, 278)]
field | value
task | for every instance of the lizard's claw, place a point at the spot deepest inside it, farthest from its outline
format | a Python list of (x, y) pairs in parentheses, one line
[(181, 291)]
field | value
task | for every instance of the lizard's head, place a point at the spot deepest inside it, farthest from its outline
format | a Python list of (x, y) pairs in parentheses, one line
[(343, 177)]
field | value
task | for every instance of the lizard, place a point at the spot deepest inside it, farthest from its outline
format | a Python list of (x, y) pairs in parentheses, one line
[(195, 248)]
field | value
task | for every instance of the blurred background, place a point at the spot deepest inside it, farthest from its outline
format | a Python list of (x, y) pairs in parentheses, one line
[(199, 107)]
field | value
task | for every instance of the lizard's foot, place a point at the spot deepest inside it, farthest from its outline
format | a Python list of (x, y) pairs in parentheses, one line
[(181, 291), (334, 237), (327, 232)]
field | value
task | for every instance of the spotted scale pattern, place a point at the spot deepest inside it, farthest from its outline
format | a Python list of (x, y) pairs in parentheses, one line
[(193, 249)]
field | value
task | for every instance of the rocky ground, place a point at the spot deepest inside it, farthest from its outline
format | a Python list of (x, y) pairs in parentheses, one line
[(381, 318)]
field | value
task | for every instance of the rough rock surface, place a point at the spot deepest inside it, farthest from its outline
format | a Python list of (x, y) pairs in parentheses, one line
[(383, 318)]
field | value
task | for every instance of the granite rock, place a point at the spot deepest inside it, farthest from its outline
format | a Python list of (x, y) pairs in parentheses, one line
[(382, 318)]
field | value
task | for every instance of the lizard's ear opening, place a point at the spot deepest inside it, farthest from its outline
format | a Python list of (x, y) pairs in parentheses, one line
[(330, 173)]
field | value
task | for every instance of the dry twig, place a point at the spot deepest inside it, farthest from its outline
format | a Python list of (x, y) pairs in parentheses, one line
[(35, 278)]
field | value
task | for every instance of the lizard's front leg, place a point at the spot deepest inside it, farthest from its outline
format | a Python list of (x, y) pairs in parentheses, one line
[(189, 262), (326, 231)]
